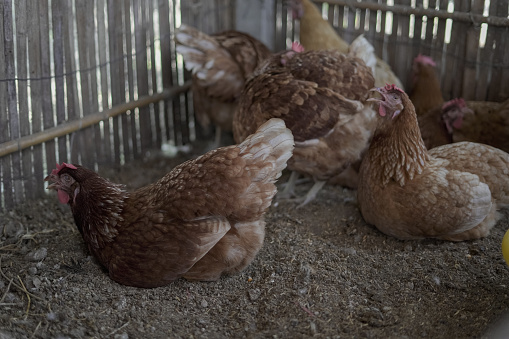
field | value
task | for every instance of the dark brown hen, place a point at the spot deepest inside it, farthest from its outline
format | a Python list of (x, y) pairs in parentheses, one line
[(220, 64), (321, 96), (202, 219)]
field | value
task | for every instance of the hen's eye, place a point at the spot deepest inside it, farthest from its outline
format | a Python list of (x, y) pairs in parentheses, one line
[(66, 178)]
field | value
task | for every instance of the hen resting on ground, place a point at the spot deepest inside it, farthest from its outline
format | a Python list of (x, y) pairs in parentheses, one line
[(317, 34), (479, 121), (321, 96), (202, 219), (451, 192), (220, 64)]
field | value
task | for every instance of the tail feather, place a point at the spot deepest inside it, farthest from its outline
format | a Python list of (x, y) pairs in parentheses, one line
[(271, 140), (265, 153), (362, 49), (196, 47)]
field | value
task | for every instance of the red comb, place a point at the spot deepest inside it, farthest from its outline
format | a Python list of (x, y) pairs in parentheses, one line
[(457, 102), (392, 87), (424, 60), (61, 167), (297, 47)]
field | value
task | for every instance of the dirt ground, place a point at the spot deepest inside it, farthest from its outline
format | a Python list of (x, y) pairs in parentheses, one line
[(322, 272)]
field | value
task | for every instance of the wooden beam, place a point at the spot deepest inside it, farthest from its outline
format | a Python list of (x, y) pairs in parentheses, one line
[(89, 120), (476, 19)]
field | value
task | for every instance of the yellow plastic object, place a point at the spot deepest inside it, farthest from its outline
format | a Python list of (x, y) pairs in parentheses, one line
[(505, 247)]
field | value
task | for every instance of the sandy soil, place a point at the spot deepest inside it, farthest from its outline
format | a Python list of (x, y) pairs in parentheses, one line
[(322, 272)]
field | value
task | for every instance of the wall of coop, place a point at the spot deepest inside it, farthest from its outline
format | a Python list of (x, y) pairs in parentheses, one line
[(99, 82)]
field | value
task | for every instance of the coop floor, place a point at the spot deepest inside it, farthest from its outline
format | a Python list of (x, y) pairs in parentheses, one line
[(322, 272)]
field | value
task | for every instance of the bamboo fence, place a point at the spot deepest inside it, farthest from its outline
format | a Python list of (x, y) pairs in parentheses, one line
[(99, 83), (94, 82)]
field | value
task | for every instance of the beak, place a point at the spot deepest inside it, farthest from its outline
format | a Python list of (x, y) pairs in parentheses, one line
[(54, 185), (378, 90)]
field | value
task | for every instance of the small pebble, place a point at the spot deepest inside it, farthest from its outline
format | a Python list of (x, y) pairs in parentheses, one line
[(32, 270), (10, 298), (350, 251), (312, 326), (204, 303), (37, 255), (120, 303), (36, 282), (254, 294)]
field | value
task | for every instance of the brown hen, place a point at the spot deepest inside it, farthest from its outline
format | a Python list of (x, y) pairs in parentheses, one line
[(220, 64), (321, 96), (451, 192), (478, 121), (201, 220)]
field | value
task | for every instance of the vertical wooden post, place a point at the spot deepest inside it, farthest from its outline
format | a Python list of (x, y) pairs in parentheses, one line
[(256, 18)]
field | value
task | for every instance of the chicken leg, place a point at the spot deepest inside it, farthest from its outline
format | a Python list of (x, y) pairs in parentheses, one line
[(289, 190), (311, 195)]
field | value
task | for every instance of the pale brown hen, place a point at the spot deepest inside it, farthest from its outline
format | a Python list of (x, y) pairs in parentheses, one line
[(201, 220), (426, 96), (426, 93), (451, 192), (321, 96), (220, 64)]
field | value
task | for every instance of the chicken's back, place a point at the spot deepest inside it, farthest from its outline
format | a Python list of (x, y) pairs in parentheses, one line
[(226, 181), (489, 163), (438, 202), (485, 122)]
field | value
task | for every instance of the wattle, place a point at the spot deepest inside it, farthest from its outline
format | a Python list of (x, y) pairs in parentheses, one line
[(458, 122), (63, 197), (381, 111)]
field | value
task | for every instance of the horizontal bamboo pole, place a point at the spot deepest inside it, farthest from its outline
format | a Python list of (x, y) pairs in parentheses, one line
[(89, 120), (476, 19)]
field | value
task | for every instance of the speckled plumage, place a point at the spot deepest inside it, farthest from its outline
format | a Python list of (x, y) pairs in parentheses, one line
[(451, 192), (321, 96), (485, 122), (316, 33), (202, 219)]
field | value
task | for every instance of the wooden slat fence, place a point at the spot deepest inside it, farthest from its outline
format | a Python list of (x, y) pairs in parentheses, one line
[(99, 83), (448, 30), (94, 82)]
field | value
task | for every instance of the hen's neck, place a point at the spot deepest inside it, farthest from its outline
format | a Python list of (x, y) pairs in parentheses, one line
[(98, 211), (427, 93), (397, 148)]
